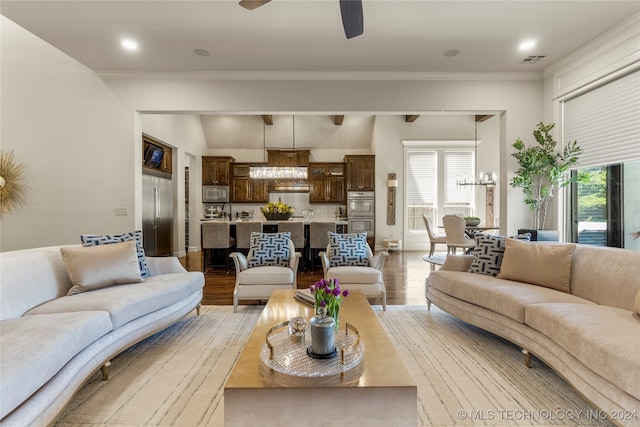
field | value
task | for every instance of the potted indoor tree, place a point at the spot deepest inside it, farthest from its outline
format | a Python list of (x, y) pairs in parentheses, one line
[(543, 170)]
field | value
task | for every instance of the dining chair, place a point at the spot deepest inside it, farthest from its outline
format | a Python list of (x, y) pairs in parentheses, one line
[(454, 228), (434, 238), (216, 235)]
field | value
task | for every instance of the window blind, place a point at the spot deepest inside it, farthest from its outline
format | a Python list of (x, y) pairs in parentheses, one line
[(422, 182), (458, 164), (605, 122)]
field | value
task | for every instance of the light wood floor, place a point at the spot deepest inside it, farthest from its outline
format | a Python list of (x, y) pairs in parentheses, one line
[(404, 275)]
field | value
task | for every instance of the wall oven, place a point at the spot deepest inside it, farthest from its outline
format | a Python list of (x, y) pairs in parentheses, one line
[(361, 212), (361, 225), (360, 204)]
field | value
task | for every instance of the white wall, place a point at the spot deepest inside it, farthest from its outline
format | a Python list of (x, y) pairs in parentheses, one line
[(75, 138)]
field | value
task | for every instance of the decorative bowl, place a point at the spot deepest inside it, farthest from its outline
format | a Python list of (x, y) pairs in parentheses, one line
[(277, 216), (472, 222)]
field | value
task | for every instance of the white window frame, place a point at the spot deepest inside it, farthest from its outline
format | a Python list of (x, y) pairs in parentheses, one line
[(416, 239)]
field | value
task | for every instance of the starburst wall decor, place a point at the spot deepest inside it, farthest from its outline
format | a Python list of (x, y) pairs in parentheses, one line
[(12, 187)]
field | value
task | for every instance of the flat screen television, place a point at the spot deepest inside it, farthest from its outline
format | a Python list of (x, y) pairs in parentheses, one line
[(153, 156)]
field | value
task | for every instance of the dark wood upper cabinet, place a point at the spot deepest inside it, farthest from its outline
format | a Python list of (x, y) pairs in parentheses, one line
[(360, 172), (288, 157), (327, 183), (243, 188), (216, 170), (152, 149)]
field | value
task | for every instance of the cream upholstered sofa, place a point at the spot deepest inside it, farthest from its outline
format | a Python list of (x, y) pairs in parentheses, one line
[(588, 332), (52, 342)]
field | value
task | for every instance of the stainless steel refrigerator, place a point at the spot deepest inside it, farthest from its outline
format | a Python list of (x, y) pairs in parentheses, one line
[(157, 215)]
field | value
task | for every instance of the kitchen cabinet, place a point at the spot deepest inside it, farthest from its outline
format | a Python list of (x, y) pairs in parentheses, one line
[(149, 145), (327, 183), (360, 172), (288, 157), (215, 170), (243, 188)]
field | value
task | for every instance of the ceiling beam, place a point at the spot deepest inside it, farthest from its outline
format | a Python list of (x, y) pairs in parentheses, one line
[(483, 117), (337, 120), (268, 119), (411, 118)]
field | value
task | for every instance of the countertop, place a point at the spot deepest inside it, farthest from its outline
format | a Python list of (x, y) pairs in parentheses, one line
[(338, 221)]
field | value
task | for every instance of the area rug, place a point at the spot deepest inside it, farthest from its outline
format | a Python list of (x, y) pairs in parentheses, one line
[(465, 376)]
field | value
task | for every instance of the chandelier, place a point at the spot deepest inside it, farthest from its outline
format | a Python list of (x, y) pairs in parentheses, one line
[(488, 178), (278, 172)]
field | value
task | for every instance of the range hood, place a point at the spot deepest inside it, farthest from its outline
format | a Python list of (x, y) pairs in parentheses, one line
[(285, 186)]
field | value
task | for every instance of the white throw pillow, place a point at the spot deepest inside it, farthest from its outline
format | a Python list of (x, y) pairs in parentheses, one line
[(95, 267)]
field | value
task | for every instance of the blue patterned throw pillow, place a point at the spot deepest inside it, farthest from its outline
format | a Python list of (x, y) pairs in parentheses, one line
[(489, 251), (269, 249), (105, 239), (348, 249)]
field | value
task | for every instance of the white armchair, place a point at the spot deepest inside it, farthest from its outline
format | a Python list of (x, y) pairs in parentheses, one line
[(367, 279), (257, 283)]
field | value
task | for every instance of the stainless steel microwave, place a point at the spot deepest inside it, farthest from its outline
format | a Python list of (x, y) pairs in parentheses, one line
[(215, 193)]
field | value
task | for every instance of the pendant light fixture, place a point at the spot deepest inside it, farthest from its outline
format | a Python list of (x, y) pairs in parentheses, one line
[(278, 172), (483, 179)]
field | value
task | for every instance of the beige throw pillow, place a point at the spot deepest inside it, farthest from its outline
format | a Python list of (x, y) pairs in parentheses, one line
[(539, 264), (95, 267)]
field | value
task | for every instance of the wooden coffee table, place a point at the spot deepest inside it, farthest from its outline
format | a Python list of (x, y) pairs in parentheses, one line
[(384, 395)]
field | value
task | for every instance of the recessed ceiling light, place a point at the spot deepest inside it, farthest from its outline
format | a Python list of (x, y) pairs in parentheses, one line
[(201, 52), (129, 44), (451, 53), (527, 44)]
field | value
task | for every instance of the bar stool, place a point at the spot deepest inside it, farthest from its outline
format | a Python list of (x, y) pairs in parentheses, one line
[(216, 235), (296, 228), (243, 234), (319, 238)]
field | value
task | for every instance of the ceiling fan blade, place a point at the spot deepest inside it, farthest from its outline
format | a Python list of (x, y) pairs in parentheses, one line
[(352, 19), (253, 4)]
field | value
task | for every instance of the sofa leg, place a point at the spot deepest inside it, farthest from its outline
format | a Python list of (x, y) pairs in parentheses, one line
[(105, 370), (527, 358), (198, 309), (428, 305)]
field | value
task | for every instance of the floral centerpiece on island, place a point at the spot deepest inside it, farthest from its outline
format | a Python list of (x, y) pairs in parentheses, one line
[(277, 210), (327, 293)]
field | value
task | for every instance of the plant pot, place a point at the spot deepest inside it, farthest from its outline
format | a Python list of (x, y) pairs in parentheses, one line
[(472, 222), (541, 235), (277, 216)]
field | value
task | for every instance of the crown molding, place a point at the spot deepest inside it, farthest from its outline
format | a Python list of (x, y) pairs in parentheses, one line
[(319, 76)]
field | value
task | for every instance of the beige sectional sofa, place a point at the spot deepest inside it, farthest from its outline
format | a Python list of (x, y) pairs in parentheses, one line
[(589, 333), (52, 342)]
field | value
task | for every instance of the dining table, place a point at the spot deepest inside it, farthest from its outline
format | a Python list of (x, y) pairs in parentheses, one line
[(472, 230)]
